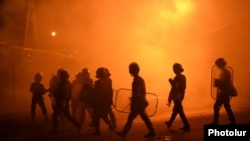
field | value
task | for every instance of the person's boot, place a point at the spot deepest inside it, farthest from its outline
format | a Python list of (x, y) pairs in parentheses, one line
[(185, 128), (149, 135), (168, 124)]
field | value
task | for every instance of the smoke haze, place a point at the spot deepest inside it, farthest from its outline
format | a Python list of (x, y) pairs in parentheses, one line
[(155, 34)]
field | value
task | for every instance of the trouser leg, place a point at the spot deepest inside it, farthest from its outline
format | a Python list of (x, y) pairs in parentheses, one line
[(147, 121), (229, 112), (70, 118), (33, 110), (128, 125), (55, 115), (96, 120), (173, 116), (112, 118), (184, 119), (217, 106), (43, 109)]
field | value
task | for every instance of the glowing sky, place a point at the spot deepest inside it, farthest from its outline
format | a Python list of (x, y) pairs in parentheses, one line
[(155, 34)]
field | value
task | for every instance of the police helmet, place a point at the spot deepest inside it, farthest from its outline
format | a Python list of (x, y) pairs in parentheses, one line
[(38, 76), (100, 72), (85, 72), (107, 72), (64, 75), (220, 62)]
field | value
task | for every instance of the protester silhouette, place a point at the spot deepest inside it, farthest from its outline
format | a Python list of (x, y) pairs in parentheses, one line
[(224, 85), (37, 89), (62, 97), (177, 93), (138, 103)]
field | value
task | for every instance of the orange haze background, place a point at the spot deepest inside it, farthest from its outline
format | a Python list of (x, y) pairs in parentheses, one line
[(153, 33)]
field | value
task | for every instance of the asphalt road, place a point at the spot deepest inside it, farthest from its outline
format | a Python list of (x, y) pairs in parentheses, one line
[(17, 126)]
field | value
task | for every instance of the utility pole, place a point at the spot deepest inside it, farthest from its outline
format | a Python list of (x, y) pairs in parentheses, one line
[(30, 28), (29, 42)]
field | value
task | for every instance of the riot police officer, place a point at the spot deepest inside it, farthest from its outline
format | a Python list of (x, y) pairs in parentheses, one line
[(177, 92), (38, 90), (103, 93), (62, 97), (224, 85)]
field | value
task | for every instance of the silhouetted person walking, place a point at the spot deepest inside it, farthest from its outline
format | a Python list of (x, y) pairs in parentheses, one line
[(62, 97), (177, 92), (75, 98), (224, 85), (103, 93), (111, 112), (138, 103), (53, 84), (86, 95), (38, 90)]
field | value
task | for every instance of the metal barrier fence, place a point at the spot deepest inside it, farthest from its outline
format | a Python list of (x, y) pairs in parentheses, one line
[(122, 101)]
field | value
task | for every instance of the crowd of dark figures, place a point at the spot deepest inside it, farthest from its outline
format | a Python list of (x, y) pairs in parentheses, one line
[(74, 100)]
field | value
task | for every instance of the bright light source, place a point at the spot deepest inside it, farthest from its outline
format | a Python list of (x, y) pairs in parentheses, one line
[(183, 7), (53, 33), (177, 10)]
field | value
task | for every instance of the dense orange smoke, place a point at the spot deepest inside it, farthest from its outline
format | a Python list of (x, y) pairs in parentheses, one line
[(155, 34)]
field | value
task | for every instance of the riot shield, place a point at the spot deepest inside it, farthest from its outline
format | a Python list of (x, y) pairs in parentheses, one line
[(122, 101), (215, 74)]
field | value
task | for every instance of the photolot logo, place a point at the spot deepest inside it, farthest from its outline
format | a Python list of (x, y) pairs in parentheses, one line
[(239, 132)]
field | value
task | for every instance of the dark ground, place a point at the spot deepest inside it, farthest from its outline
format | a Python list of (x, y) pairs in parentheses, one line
[(17, 126)]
